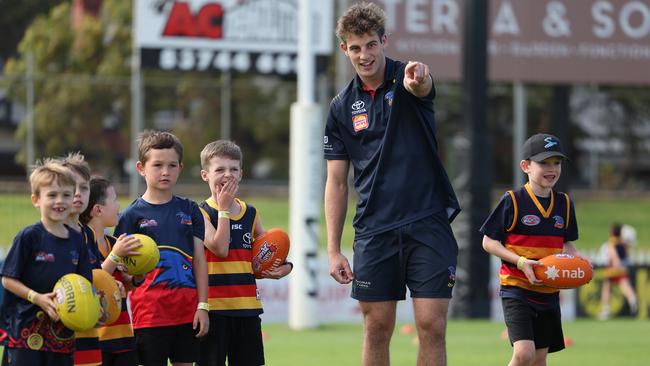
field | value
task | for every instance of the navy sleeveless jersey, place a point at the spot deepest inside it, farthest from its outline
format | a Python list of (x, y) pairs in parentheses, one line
[(390, 141), (533, 227), (233, 289)]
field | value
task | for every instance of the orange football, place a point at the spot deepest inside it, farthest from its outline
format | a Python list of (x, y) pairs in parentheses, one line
[(563, 271), (270, 250)]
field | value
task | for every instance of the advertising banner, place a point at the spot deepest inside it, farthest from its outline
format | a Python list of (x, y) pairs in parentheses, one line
[(539, 41), (224, 35)]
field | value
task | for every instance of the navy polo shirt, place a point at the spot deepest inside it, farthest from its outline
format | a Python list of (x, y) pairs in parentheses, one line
[(389, 139)]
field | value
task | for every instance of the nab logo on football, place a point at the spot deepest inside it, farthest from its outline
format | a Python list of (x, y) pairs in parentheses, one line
[(206, 23)]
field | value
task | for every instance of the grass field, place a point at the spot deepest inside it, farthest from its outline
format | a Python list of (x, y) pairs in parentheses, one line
[(469, 343), (615, 342), (594, 218)]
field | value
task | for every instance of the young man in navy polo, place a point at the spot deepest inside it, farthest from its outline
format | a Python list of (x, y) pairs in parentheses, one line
[(383, 125)]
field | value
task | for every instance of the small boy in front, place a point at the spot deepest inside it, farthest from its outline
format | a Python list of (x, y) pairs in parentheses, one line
[(231, 224), (528, 224), (41, 253), (170, 309)]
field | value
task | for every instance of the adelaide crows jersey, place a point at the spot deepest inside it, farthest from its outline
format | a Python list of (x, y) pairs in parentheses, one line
[(168, 295), (38, 259), (232, 288)]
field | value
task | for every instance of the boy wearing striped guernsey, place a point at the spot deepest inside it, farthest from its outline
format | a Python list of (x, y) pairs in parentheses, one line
[(528, 224), (231, 224)]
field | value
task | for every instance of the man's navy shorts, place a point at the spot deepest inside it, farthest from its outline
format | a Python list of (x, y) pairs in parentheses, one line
[(420, 255)]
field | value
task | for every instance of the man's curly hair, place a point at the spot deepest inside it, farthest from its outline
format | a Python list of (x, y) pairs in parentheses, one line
[(361, 19)]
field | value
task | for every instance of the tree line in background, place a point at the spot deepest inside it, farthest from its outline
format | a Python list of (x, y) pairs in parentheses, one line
[(82, 90)]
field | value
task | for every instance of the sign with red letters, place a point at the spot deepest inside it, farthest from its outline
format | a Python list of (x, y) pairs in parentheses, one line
[(238, 35)]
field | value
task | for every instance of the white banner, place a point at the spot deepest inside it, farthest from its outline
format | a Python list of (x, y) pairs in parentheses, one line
[(243, 35)]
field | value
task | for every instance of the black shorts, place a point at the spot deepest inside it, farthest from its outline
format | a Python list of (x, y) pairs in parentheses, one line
[(421, 256), (524, 322), (237, 338), (128, 358), (178, 343), (23, 356)]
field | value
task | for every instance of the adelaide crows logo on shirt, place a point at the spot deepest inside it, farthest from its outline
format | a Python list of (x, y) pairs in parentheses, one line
[(147, 223), (389, 98), (185, 218)]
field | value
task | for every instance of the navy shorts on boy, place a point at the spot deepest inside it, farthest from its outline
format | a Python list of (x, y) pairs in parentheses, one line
[(38, 259), (23, 356), (420, 255), (239, 339), (176, 342), (528, 322)]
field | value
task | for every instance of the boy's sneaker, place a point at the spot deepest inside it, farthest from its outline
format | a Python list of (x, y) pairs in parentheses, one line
[(604, 315)]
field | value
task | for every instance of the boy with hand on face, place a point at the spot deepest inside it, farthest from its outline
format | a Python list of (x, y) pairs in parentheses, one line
[(231, 224)]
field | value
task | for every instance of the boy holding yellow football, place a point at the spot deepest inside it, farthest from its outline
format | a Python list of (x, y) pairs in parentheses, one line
[(528, 224), (87, 351), (170, 309), (116, 340), (40, 255), (231, 224)]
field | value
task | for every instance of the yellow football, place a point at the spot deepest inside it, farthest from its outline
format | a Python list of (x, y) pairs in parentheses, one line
[(76, 302), (110, 298), (146, 260)]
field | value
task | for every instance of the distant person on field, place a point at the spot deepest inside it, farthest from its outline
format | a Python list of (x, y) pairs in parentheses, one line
[(41, 253), (87, 351), (528, 224), (235, 307), (382, 124), (170, 309), (116, 340), (617, 272)]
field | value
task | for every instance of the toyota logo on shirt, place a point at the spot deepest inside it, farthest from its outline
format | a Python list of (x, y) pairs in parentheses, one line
[(358, 105)]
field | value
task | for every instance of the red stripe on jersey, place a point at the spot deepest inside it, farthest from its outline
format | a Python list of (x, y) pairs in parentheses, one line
[(511, 270), (124, 318), (89, 357), (541, 241), (232, 291), (234, 255)]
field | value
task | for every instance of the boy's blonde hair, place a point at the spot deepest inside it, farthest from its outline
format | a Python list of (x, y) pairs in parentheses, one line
[(361, 19), (222, 149), (47, 172), (76, 162), (150, 139)]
